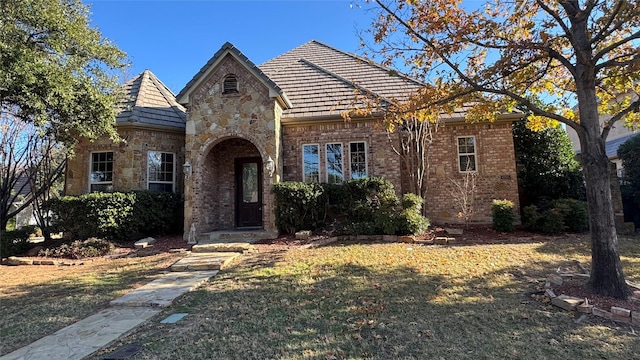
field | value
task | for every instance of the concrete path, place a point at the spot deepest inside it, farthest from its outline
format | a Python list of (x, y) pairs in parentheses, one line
[(89, 335), (84, 337)]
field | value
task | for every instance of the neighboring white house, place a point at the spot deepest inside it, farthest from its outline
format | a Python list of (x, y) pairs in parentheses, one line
[(617, 136)]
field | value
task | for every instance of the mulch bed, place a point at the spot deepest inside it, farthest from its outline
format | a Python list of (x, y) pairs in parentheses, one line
[(579, 289)]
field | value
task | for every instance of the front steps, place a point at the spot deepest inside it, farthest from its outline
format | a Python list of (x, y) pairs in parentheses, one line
[(217, 249), (236, 236)]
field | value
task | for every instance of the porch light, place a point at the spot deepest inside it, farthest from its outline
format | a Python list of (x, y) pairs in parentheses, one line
[(270, 166), (186, 168)]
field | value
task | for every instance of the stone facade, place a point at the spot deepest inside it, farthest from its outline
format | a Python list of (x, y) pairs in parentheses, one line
[(129, 158), (220, 128)]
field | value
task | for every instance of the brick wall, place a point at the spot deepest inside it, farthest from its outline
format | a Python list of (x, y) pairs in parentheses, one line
[(496, 176), (381, 159), (129, 159), (217, 208)]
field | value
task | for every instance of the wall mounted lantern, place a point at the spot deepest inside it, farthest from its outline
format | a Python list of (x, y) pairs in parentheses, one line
[(270, 166), (186, 168)]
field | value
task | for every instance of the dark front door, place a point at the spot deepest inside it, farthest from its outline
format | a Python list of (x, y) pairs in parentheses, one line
[(248, 192)]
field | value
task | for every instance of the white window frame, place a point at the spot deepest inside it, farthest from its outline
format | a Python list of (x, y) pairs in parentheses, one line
[(113, 161), (173, 171), (474, 153), (304, 177), (326, 160), (366, 159)]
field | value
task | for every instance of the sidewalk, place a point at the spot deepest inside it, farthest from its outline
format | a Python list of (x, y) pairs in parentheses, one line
[(89, 335)]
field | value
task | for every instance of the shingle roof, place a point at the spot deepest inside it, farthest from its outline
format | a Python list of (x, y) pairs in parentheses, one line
[(320, 80), (150, 102), (611, 146)]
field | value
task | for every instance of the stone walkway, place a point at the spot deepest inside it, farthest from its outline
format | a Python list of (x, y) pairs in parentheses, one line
[(89, 335)]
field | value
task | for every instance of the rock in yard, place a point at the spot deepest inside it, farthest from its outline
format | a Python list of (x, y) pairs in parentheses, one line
[(555, 279), (566, 302), (440, 240), (389, 238), (620, 311), (15, 261), (143, 243), (453, 231), (303, 235), (406, 239), (602, 313)]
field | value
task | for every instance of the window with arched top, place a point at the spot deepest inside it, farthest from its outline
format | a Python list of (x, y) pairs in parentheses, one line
[(230, 85)]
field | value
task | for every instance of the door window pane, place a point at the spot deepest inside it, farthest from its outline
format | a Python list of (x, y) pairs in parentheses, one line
[(250, 183)]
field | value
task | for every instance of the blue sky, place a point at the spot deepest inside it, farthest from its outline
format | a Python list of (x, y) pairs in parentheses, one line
[(174, 39)]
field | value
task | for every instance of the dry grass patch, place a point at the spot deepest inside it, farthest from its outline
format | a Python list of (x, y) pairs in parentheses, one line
[(36, 301), (390, 301)]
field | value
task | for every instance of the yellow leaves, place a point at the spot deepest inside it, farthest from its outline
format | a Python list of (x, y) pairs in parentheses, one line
[(569, 114), (538, 123)]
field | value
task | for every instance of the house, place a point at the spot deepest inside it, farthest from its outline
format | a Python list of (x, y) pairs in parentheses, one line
[(237, 128), (616, 137), (22, 189)]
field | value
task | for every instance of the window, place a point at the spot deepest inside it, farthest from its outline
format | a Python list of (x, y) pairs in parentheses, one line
[(160, 167), (230, 85), (311, 163), (335, 172), (101, 176), (467, 154), (358, 160)]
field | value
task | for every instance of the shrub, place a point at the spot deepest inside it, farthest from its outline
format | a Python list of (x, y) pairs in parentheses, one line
[(503, 215), (575, 214), (530, 217), (91, 247), (365, 206), (14, 242), (410, 221), (369, 197), (156, 213), (551, 222), (299, 206), (560, 215), (117, 216)]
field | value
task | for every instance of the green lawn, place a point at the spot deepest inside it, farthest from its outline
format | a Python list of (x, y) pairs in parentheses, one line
[(390, 301)]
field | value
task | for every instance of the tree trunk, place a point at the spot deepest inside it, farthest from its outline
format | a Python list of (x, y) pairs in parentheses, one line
[(607, 277)]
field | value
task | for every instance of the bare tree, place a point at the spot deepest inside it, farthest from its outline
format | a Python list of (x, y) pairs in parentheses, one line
[(31, 161)]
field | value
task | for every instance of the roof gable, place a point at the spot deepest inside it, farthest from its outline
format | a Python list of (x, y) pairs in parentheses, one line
[(320, 80), (275, 91), (150, 102)]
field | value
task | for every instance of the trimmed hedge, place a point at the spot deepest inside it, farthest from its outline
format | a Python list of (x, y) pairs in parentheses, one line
[(503, 215), (363, 206), (118, 215)]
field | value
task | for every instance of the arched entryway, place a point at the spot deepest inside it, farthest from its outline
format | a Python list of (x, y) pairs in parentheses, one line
[(232, 185)]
